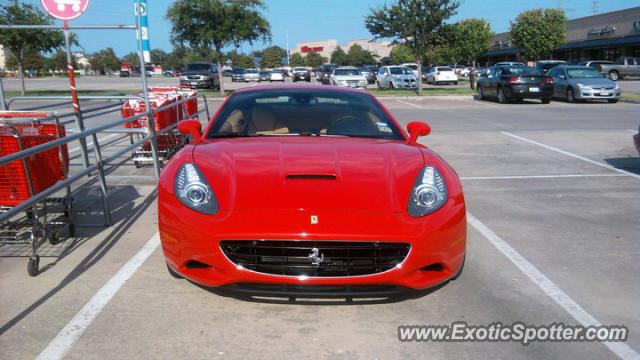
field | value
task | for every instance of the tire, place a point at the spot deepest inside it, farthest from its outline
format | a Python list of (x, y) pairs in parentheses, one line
[(455, 83), (480, 92), (33, 266), (613, 101), (571, 98), (545, 100), (173, 273), (391, 86), (614, 75), (502, 98)]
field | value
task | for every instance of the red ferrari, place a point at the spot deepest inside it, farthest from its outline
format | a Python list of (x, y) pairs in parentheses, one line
[(309, 187)]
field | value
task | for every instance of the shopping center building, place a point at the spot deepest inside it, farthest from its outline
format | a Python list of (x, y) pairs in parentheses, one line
[(605, 36), (380, 49)]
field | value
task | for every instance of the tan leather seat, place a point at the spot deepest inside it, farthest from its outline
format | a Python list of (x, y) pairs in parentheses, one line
[(263, 121)]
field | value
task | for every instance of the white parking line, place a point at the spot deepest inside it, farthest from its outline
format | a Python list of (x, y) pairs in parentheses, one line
[(482, 102), (410, 104), (68, 336), (539, 176), (571, 154), (552, 290)]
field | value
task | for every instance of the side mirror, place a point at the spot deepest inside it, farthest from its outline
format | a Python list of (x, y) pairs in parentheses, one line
[(417, 129), (191, 127)]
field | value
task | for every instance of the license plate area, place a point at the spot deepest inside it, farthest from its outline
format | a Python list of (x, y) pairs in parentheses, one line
[(534, 89)]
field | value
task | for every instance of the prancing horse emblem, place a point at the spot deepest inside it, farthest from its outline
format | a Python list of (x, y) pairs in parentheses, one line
[(316, 257)]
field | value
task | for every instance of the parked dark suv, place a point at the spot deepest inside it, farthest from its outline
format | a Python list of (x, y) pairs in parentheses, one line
[(325, 73), (200, 75)]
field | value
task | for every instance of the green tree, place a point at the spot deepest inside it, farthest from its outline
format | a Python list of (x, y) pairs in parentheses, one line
[(272, 57), (105, 61), (314, 59), (33, 60), (241, 60), (419, 24), (176, 59), (296, 60), (357, 56), (539, 31), (470, 38), (18, 41), (217, 24), (401, 54), (339, 57), (158, 56), (133, 59)]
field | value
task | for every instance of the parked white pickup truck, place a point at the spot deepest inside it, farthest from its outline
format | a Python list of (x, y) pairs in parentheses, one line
[(624, 66)]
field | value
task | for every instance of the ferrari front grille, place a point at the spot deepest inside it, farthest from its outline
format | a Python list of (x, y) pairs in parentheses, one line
[(315, 258)]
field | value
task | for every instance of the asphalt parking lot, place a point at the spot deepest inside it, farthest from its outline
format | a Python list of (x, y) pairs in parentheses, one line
[(553, 196)]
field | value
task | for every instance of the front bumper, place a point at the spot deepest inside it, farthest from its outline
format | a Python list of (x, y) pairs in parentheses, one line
[(404, 84), (353, 85), (196, 83), (597, 94), (188, 237)]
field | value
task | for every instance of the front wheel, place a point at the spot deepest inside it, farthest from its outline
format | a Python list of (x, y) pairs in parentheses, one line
[(480, 92), (571, 97), (546, 100), (613, 101)]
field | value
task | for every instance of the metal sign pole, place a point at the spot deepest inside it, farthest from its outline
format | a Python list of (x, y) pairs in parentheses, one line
[(3, 104), (151, 126), (74, 96)]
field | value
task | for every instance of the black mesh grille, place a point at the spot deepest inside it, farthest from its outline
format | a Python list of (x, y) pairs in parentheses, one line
[(315, 258)]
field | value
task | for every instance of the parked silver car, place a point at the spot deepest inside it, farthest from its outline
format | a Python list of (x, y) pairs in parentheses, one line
[(583, 83), (396, 77)]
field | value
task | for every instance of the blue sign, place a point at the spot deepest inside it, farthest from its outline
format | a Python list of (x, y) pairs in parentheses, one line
[(144, 29)]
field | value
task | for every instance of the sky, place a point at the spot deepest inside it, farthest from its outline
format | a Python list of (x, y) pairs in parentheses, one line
[(304, 20)]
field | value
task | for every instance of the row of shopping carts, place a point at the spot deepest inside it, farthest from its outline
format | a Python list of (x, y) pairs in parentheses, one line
[(51, 219), (169, 140)]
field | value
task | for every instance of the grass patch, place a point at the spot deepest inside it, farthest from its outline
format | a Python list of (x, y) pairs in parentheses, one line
[(630, 96)]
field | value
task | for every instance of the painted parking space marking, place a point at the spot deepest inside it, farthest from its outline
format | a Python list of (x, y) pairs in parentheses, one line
[(576, 156), (518, 177), (67, 337), (552, 290), (410, 104)]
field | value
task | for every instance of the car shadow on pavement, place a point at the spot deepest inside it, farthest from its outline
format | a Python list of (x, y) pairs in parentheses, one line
[(630, 164), (124, 214), (300, 299)]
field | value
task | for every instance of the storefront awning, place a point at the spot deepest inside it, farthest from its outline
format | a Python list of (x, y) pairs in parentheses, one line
[(600, 43), (501, 52)]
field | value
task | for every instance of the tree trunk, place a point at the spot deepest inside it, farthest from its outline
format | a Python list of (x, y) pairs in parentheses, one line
[(219, 64), (23, 89), (419, 79), (472, 75)]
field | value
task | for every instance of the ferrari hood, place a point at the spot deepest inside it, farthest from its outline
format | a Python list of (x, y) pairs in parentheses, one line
[(319, 173)]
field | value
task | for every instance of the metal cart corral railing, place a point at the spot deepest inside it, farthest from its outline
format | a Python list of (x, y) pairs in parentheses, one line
[(97, 169)]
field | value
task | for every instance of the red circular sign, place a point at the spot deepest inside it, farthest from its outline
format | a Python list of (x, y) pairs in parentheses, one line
[(65, 9)]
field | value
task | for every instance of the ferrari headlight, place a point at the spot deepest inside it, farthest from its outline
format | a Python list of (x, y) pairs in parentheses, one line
[(429, 192), (193, 190)]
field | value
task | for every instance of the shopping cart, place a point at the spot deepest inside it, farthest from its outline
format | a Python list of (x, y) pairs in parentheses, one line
[(169, 142), (188, 109), (49, 219)]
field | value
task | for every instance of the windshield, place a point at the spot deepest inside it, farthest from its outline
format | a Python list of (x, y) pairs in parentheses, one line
[(238, 71), (197, 67), (302, 112), (520, 71), (252, 71), (400, 71), (346, 72), (412, 67), (588, 73), (299, 69), (444, 68)]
